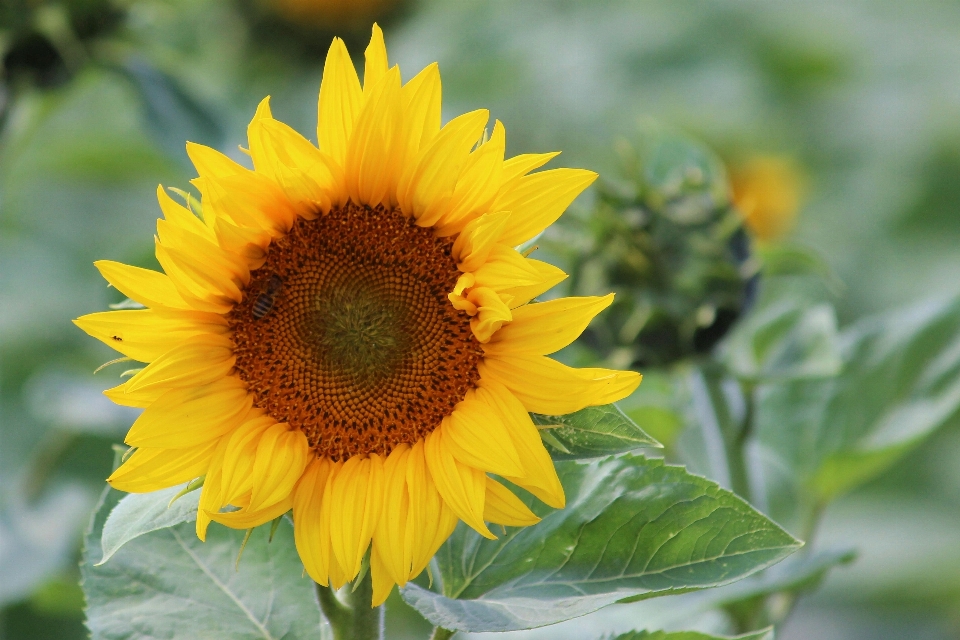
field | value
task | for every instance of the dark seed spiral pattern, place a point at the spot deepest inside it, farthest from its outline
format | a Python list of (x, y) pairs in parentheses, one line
[(361, 349)]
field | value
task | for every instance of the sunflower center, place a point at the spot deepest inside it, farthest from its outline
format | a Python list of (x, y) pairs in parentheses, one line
[(359, 333), (346, 332)]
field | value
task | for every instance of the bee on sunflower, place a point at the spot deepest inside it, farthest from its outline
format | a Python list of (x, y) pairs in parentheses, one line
[(391, 370)]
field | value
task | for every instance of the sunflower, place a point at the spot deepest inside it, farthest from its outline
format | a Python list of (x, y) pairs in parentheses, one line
[(346, 330)]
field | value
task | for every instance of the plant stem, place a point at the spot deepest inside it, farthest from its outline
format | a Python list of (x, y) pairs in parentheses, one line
[(736, 448), (352, 618), (439, 633)]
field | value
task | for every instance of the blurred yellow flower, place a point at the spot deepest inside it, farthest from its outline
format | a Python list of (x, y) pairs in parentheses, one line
[(346, 331), (767, 191)]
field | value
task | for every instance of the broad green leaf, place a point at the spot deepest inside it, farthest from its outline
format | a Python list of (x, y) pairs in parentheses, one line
[(168, 584), (781, 260), (901, 381), (783, 340), (763, 634), (140, 513), (591, 433), (800, 572), (633, 528), (715, 414)]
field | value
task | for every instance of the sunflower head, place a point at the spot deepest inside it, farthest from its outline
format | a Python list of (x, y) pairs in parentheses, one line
[(346, 330)]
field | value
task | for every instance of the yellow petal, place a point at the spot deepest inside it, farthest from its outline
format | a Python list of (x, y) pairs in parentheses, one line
[(141, 399), (262, 160), (290, 160), (430, 520), (390, 538), (457, 297), (287, 158), (330, 520), (546, 386), (225, 264), (373, 152), (210, 494), (339, 103), (477, 185), (540, 475), (210, 163), (154, 469), (247, 518), (181, 217), (194, 362), (421, 110), (383, 582), (249, 200), (476, 436), (195, 281), (357, 500), (375, 57), (546, 327), (207, 265), (491, 313), (510, 274), (502, 507), (189, 417), (546, 276), (146, 334), (473, 245), (426, 187), (537, 200), (282, 455), (242, 196), (236, 472), (313, 542), (302, 170), (519, 166), (148, 287), (251, 244), (461, 486)]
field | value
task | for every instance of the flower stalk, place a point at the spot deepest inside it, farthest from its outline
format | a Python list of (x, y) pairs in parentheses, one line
[(350, 616)]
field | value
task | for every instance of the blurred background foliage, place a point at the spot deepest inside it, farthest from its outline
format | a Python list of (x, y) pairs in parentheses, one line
[(835, 130)]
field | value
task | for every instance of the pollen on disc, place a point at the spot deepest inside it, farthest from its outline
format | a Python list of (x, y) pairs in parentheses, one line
[(358, 346)]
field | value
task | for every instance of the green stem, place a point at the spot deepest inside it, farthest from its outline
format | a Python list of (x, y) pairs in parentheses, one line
[(352, 618), (736, 447), (439, 633)]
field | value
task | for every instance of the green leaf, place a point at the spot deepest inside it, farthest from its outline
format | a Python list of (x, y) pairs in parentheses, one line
[(783, 340), (168, 584), (140, 513), (792, 260), (763, 634), (593, 432), (632, 529), (901, 382), (800, 572)]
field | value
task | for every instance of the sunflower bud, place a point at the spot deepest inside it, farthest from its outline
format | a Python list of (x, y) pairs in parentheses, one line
[(665, 237)]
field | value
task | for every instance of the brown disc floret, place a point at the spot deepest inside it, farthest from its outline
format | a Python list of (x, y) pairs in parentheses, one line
[(346, 332)]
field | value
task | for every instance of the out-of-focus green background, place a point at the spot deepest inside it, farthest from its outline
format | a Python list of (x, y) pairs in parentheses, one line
[(98, 98)]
